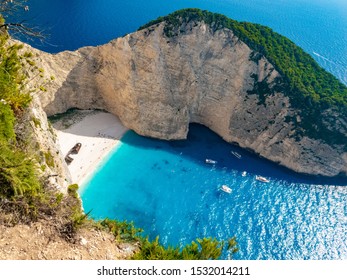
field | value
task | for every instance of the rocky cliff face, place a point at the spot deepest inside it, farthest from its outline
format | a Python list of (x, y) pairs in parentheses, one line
[(34, 129), (157, 85)]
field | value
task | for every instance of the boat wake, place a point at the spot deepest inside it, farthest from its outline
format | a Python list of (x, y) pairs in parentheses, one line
[(323, 57)]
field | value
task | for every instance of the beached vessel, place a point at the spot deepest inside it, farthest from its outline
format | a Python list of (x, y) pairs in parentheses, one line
[(68, 159), (75, 149), (262, 179)]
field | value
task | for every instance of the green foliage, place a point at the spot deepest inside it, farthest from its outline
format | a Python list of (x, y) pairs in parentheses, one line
[(11, 77), (30, 62), (42, 88), (49, 159), (59, 198), (232, 246), (78, 218), (36, 122), (72, 190), (310, 88), (18, 176), (122, 230), (155, 251), (17, 171), (72, 215), (19, 182), (7, 120), (201, 249)]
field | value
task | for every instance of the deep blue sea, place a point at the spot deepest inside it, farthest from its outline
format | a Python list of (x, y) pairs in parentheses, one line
[(167, 188)]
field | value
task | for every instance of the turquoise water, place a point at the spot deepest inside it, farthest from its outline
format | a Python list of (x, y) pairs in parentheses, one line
[(318, 26), (169, 190)]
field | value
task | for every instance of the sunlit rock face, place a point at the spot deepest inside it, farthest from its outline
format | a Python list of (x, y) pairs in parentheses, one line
[(157, 85)]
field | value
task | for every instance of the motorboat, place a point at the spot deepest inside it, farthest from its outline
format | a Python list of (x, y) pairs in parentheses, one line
[(262, 179), (225, 188), (210, 161), (244, 173), (236, 154)]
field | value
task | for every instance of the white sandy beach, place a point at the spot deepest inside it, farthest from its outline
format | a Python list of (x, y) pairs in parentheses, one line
[(99, 133)]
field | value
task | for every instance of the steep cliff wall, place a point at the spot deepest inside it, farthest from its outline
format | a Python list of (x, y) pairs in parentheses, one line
[(34, 129), (157, 85)]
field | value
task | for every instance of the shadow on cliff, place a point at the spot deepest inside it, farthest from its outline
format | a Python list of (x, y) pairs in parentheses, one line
[(203, 144)]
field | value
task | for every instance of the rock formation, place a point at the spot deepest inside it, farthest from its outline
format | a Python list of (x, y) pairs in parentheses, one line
[(34, 129), (157, 85)]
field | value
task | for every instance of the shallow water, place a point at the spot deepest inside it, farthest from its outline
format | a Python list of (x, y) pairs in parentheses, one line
[(169, 190)]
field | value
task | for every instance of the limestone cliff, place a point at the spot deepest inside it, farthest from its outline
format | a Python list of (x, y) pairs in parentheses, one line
[(158, 84), (34, 129)]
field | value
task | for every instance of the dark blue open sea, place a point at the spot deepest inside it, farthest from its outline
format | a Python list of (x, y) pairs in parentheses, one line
[(167, 188)]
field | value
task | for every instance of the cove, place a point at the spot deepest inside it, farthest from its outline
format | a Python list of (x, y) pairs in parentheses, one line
[(168, 189)]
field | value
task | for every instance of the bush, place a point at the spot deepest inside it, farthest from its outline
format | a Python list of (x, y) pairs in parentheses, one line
[(19, 184), (72, 190), (201, 249), (7, 120), (122, 230), (18, 176)]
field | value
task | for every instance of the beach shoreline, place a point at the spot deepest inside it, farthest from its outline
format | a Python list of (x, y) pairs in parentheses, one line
[(99, 134)]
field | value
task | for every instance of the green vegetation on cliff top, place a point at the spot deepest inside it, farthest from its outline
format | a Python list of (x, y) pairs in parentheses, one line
[(311, 89)]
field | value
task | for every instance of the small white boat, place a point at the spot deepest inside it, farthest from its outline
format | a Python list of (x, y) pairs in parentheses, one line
[(262, 179), (237, 155), (210, 161), (226, 189), (244, 173)]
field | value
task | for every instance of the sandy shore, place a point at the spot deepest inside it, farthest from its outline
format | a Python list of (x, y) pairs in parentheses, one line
[(98, 132)]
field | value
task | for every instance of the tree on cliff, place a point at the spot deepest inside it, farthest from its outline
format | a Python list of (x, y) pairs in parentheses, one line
[(201, 249), (11, 14)]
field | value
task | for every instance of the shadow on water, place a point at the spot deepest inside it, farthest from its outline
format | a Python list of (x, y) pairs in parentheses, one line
[(202, 144)]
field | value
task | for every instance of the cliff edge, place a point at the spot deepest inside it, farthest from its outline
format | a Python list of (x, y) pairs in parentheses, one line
[(165, 76)]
